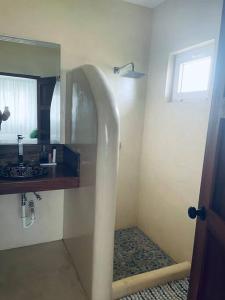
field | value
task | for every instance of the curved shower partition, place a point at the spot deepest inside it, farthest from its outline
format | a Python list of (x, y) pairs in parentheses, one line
[(89, 212)]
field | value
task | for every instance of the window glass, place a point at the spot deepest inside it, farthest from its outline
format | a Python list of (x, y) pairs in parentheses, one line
[(192, 74)]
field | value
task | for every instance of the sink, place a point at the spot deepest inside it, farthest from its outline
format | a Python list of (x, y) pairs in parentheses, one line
[(22, 171)]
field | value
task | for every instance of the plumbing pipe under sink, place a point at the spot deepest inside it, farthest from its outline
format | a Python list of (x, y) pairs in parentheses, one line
[(28, 210)]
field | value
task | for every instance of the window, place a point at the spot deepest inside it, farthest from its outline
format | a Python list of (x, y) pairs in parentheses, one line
[(192, 74)]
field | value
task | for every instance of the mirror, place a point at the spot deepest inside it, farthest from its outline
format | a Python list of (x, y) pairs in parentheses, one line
[(29, 91)]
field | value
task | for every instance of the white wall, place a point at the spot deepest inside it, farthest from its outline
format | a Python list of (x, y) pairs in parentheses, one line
[(48, 225), (105, 33), (89, 211), (80, 204), (29, 59), (174, 133)]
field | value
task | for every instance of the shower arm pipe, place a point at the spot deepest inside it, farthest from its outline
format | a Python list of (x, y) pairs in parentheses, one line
[(118, 69)]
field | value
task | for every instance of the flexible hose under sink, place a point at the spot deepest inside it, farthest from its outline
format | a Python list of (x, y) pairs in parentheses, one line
[(28, 211)]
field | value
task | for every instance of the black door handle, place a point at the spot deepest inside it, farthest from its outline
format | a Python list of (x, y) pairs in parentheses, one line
[(193, 213)]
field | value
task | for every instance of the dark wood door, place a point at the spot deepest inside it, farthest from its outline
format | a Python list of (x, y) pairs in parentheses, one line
[(208, 263)]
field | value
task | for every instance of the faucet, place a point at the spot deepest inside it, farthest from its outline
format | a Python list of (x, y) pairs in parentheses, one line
[(20, 149)]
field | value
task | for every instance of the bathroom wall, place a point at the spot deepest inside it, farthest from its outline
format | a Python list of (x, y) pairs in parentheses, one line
[(48, 224), (29, 59), (101, 32), (80, 204), (89, 212), (174, 133)]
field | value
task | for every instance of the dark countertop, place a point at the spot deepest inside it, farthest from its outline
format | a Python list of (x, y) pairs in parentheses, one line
[(59, 177)]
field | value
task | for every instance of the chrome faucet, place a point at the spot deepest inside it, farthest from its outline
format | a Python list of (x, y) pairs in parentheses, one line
[(20, 149)]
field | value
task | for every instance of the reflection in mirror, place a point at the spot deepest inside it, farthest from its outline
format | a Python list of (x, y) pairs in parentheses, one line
[(83, 116), (29, 91), (55, 115), (19, 96)]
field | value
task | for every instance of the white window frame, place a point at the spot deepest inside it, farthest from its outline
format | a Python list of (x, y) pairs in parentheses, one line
[(176, 59)]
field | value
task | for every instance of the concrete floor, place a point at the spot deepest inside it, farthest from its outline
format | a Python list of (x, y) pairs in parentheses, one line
[(40, 272)]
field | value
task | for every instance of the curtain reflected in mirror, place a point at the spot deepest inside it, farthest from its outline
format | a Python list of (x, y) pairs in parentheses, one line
[(55, 115), (20, 96)]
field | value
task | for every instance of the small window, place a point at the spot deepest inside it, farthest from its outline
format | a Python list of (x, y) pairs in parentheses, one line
[(192, 74)]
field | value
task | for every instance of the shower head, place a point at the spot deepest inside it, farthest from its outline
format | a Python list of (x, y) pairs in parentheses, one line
[(133, 74), (130, 73)]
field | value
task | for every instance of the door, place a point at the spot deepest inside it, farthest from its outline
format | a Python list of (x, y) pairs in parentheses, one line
[(208, 263)]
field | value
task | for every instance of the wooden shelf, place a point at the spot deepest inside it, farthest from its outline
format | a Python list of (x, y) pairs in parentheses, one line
[(59, 177)]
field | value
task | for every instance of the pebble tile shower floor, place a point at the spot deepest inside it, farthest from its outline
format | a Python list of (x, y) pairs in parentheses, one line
[(135, 253)]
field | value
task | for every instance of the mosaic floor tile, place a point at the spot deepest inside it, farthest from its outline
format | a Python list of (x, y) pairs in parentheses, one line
[(135, 253)]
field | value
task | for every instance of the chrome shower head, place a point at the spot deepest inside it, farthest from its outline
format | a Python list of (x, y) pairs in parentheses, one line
[(133, 74), (130, 73)]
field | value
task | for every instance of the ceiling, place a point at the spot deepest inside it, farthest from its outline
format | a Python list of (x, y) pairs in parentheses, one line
[(146, 3)]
